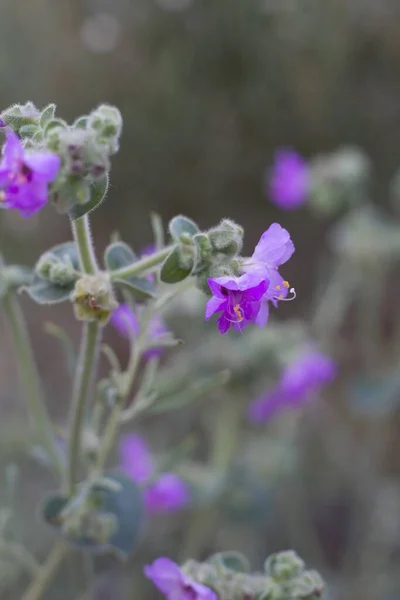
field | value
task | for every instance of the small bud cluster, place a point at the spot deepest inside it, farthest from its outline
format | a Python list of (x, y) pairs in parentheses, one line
[(56, 269), (93, 298), (227, 576)]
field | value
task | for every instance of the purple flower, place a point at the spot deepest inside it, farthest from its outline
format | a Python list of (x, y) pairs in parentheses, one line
[(238, 299), (174, 583), (302, 378), (273, 250), (136, 459), (289, 180), (127, 324), (167, 493), (25, 176)]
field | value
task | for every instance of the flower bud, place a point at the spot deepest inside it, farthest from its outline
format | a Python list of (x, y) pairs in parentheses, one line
[(284, 565), (106, 121), (59, 271), (93, 298), (227, 237), (90, 446), (20, 115)]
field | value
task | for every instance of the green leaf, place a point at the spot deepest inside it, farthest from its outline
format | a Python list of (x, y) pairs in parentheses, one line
[(190, 394), (45, 292), (28, 131), (69, 249), (182, 225), (118, 255), (52, 123), (117, 496), (141, 288), (80, 123), (234, 561), (98, 193), (47, 114), (171, 270)]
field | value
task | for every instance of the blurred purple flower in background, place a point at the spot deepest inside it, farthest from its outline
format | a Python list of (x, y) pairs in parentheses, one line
[(303, 377), (273, 250), (25, 177), (127, 324), (174, 584), (167, 493), (289, 180), (237, 298)]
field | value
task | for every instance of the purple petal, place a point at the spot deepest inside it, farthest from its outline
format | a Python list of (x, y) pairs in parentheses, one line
[(165, 574), (275, 247), (223, 324), (13, 152), (263, 408), (124, 320), (27, 198), (135, 458), (263, 314), (289, 180), (45, 165), (214, 305), (167, 494)]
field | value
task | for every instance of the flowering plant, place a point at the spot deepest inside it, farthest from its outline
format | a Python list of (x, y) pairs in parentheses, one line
[(95, 510)]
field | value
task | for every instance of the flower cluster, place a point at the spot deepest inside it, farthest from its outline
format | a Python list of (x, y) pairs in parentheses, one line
[(25, 176), (302, 378), (167, 492), (245, 298)]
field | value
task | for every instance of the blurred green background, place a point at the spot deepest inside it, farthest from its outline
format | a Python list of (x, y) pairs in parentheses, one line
[(208, 90)]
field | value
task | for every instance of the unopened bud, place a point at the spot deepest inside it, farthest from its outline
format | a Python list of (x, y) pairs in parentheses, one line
[(284, 565), (227, 237), (93, 298), (59, 271)]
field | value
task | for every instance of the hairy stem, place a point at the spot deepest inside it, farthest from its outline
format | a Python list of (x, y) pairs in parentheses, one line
[(144, 264), (83, 238), (87, 361), (46, 572), (31, 380), (84, 378)]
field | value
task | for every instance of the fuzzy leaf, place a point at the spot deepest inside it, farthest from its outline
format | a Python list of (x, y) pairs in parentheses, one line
[(118, 496), (179, 225), (45, 292), (143, 289), (235, 561), (47, 114), (80, 123), (171, 270), (52, 123), (118, 255), (98, 193)]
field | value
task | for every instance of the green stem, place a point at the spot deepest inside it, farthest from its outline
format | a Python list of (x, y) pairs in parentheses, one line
[(83, 238), (84, 378), (30, 379), (225, 434), (141, 265), (46, 572), (88, 358)]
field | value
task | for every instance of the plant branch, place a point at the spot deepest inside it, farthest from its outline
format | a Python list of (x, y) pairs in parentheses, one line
[(31, 380)]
